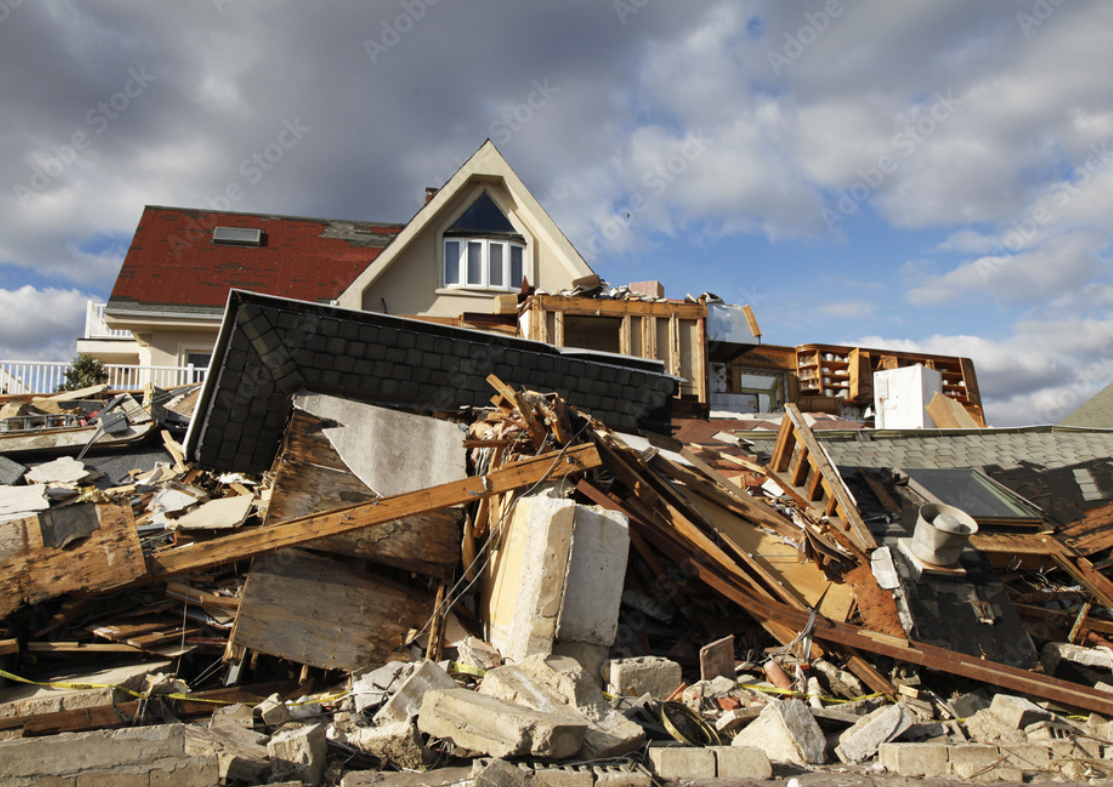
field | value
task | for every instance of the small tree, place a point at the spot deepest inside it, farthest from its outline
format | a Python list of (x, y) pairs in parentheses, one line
[(85, 371)]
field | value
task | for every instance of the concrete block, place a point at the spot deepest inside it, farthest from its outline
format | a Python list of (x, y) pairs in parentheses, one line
[(1029, 756), (398, 743), (1055, 652), (787, 733), (497, 727), (370, 688), (1017, 712), (973, 754), (272, 711), (590, 657), (527, 577), (987, 774), (861, 741), (199, 771), (621, 776), (498, 773), (596, 576), (406, 703), (735, 719), (72, 753), (241, 754), (985, 727), (563, 777), (914, 760), (477, 653), (741, 762), (237, 715), (682, 762), (27, 700), (653, 675), (300, 753), (967, 705)]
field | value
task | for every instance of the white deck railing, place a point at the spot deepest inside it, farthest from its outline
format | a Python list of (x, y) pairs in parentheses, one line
[(44, 377), (96, 327)]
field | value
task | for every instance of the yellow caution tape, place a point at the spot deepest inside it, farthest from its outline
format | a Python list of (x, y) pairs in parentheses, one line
[(115, 686), (465, 669)]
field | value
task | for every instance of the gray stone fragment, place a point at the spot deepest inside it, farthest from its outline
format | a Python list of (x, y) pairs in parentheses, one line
[(406, 703), (300, 753), (861, 742), (370, 688), (397, 743), (1017, 712), (496, 727), (787, 733)]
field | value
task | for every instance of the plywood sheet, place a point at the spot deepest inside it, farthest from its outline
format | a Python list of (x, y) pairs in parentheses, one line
[(317, 611), (778, 562), (31, 571)]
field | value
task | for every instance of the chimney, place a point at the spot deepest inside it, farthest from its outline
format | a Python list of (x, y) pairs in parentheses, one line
[(430, 192)]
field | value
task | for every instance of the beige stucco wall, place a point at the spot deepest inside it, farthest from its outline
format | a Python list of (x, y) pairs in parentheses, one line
[(168, 346)]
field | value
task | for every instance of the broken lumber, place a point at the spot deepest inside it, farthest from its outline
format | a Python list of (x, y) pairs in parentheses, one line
[(380, 513)]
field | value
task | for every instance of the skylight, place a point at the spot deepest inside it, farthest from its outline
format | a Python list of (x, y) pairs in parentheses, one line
[(974, 492), (237, 236)]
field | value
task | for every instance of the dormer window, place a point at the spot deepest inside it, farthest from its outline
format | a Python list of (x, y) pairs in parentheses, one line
[(483, 250)]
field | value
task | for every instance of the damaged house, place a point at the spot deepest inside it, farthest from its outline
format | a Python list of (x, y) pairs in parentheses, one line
[(444, 501)]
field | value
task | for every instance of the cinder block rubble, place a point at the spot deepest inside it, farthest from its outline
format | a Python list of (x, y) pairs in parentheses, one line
[(787, 733)]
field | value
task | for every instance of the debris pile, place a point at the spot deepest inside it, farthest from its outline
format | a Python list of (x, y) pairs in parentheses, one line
[(520, 589)]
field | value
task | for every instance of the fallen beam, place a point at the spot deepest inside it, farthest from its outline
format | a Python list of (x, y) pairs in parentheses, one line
[(376, 513)]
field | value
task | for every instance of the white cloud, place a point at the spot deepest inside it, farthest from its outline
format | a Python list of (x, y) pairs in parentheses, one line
[(40, 324)]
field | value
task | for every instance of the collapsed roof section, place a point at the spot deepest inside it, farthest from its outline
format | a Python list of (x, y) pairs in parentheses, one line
[(270, 348)]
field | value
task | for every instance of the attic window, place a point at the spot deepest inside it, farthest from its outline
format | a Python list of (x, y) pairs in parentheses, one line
[(237, 236), (483, 250)]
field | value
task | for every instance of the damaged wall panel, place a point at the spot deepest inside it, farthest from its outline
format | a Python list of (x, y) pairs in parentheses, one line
[(316, 611), (99, 550)]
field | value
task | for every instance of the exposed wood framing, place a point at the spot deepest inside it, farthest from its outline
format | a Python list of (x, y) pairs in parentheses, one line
[(812, 476)]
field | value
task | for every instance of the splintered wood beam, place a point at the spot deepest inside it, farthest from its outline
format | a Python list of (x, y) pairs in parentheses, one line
[(381, 512)]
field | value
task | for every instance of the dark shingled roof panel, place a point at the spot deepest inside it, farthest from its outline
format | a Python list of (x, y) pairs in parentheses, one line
[(173, 264), (270, 348)]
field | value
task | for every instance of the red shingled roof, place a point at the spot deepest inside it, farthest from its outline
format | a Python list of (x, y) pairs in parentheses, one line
[(173, 263)]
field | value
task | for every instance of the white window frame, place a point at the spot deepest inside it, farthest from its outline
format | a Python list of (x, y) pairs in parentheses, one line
[(456, 275)]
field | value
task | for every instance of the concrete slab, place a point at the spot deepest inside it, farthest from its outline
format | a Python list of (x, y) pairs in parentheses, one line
[(682, 762), (63, 470), (300, 753), (787, 733), (20, 502), (1017, 712), (77, 752), (425, 451), (397, 743), (496, 727), (596, 576), (860, 742), (25, 700), (227, 513), (406, 702), (652, 675)]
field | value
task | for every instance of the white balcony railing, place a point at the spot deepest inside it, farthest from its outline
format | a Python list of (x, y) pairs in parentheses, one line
[(44, 377), (96, 327)]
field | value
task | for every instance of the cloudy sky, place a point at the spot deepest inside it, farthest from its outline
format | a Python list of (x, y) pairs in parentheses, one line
[(929, 174)]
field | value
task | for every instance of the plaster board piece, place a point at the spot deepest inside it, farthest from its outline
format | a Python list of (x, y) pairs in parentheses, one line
[(425, 451)]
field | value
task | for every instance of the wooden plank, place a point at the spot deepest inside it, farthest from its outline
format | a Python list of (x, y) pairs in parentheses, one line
[(238, 546), (311, 478), (649, 337), (699, 364), (1016, 543), (949, 414), (751, 321), (316, 611), (109, 557), (626, 335), (673, 362), (602, 308), (857, 530), (880, 492), (1092, 533), (750, 507)]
